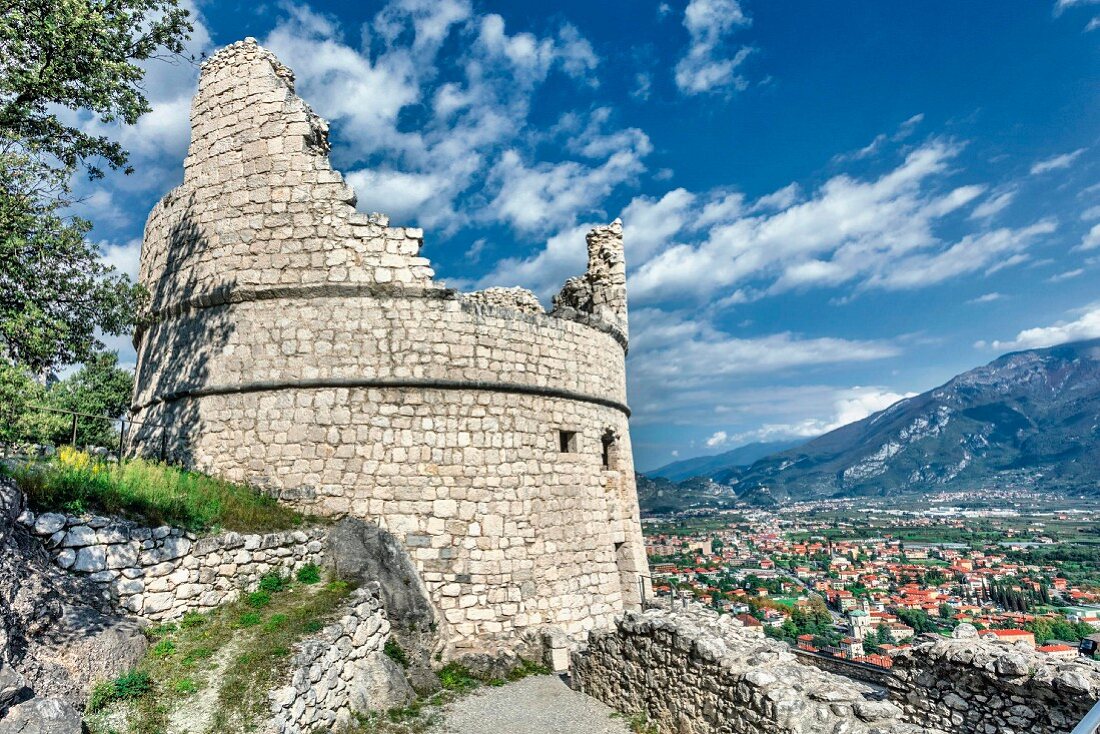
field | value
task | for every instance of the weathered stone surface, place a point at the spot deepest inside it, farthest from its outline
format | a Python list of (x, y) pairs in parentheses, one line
[(57, 633), (180, 574), (331, 677), (696, 671), (42, 716), (386, 395)]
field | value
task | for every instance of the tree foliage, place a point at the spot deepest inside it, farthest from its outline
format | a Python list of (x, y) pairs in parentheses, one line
[(61, 60), (99, 388)]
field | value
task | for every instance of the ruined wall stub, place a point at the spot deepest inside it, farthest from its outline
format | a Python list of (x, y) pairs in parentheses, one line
[(303, 346)]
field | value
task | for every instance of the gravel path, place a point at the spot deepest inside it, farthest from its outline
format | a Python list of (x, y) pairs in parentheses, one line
[(537, 705)]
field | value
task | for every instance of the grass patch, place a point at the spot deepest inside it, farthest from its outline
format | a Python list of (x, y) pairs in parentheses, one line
[(309, 574), (150, 492), (396, 653), (134, 684), (242, 651)]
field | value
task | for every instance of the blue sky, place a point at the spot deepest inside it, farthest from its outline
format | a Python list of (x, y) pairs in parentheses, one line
[(827, 205)]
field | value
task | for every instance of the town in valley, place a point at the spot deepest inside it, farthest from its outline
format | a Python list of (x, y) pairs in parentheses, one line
[(860, 578)]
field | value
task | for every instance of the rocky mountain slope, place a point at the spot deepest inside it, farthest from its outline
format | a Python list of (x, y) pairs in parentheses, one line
[(708, 466), (658, 496), (1029, 418)]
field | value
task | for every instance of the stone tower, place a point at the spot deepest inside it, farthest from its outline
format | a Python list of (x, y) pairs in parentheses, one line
[(304, 347)]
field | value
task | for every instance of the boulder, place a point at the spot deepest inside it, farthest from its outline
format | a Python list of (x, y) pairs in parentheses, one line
[(42, 716), (380, 686)]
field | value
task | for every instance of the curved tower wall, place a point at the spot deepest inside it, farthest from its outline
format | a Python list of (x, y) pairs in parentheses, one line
[(304, 347)]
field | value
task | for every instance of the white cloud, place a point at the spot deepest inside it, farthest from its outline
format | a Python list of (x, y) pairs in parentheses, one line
[(878, 233), (849, 406), (125, 258), (1062, 5), (689, 353), (1093, 24), (1091, 240), (987, 298), (1085, 326), (1065, 275), (1054, 163), (993, 205), (719, 438), (469, 145), (707, 66)]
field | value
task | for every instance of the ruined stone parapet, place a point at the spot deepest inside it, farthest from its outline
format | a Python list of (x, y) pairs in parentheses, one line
[(519, 299), (599, 296), (968, 686), (695, 671), (305, 348)]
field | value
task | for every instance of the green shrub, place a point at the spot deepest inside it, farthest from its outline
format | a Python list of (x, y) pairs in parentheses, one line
[(185, 686), (159, 631), (309, 574), (526, 668), (273, 583), (338, 586), (258, 599), (199, 653), (457, 677), (163, 649), (276, 621), (313, 626), (249, 619), (192, 619), (396, 653), (127, 686)]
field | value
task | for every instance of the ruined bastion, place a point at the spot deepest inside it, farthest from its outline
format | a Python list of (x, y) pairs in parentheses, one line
[(304, 347)]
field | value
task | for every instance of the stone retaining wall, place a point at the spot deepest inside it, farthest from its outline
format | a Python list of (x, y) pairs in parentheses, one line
[(341, 671), (162, 573), (693, 671), (965, 686)]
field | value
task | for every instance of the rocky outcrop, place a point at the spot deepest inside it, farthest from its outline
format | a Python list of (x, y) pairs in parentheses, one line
[(162, 573), (966, 686), (362, 552), (341, 671), (57, 634), (696, 671)]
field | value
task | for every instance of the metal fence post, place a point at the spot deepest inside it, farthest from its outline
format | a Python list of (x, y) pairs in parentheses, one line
[(74, 430), (121, 437), (163, 445)]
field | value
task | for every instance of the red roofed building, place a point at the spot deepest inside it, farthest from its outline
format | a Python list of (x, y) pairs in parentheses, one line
[(1009, 637)]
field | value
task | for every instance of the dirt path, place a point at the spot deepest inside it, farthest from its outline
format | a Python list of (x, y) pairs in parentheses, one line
[(538, 705)]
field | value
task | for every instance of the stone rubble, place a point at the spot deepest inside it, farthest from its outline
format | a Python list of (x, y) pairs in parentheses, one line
[(340, 671), (696, 672), (162, 573), (968, 686)]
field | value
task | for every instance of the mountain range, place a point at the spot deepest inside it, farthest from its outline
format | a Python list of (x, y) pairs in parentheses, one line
[(1027, 419), (705, 466)]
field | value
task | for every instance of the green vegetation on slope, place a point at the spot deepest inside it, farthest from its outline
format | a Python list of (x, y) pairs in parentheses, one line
[(152, 493), (232, 657)]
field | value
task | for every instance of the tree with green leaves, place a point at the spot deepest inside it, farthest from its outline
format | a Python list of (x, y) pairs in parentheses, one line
[(59, 57)]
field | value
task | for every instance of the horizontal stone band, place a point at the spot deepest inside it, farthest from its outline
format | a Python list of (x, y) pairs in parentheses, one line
[(230, 293), (384, 383)]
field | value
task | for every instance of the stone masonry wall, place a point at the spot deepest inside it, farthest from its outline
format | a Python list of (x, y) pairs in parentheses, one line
[(966, 686), (162, 573), (693, 671), (300, 345), (340, 671)]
